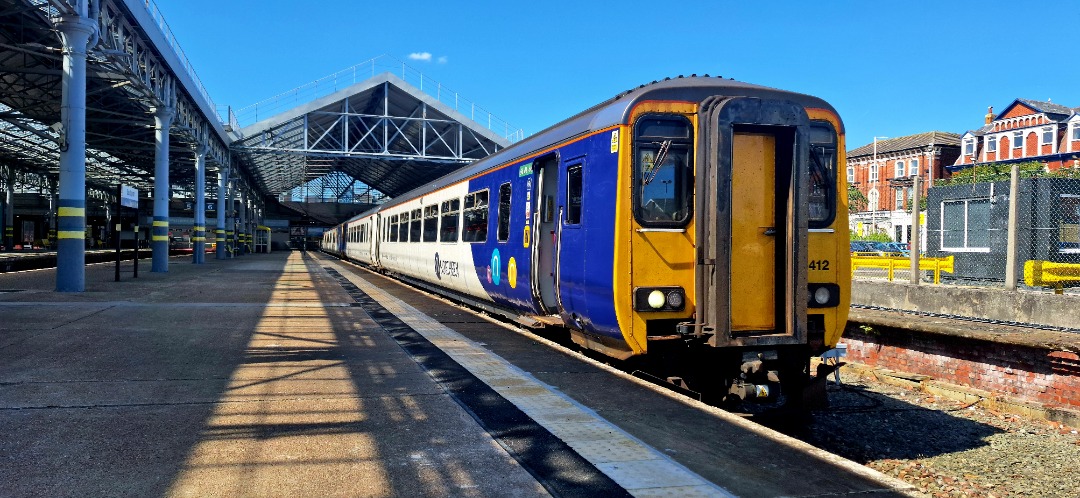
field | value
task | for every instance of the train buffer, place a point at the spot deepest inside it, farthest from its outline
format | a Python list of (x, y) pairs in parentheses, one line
[(1050, 274), (893, 263)]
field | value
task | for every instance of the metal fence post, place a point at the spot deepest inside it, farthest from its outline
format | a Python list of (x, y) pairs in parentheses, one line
[(1010, 248), (913, 240)]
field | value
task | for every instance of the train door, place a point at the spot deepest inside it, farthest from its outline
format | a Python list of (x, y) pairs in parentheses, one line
[(544, 254), (376, 238), (751, 195), (570, 240)]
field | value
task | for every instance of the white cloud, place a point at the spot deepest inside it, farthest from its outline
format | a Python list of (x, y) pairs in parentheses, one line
[(420, 56), (443, 60)]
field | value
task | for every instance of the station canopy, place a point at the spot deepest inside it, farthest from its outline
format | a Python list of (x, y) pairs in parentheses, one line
[(382, 132)]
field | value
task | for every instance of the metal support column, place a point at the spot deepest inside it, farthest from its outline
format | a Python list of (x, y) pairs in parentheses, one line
[(219, 230), (52, 219), (159, 240), (230, 221), (9, 209), (198, 254), (243, 222), (75, 32)]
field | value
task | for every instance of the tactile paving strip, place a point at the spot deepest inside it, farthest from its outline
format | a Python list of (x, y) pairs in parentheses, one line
[(638, 468)]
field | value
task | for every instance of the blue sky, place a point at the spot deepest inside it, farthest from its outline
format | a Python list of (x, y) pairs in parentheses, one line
[(890, 68)]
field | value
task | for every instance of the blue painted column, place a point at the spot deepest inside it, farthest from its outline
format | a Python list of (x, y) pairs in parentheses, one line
[(75, 32), (244, 228), (219, 231), (230, 220), (199, 254), (159, 236), (9, 209), (52, 218)]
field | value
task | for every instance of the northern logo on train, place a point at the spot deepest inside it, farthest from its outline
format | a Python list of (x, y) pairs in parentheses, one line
[(438, 267), (496, 267)]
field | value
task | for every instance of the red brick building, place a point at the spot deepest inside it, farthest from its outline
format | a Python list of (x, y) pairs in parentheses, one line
[(1027, 130), (882, 172), (874, 168)]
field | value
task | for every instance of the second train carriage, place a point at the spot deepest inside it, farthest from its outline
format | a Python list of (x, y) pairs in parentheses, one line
[(702, 212)]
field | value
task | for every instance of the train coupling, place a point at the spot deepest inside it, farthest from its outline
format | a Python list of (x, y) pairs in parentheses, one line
[(757, 382), (694, 330)]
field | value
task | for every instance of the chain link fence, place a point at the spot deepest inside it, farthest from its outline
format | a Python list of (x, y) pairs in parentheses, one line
[(966, 232)]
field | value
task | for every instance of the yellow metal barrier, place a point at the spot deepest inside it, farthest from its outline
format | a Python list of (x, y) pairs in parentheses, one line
[(893, 263), (1049, 274)]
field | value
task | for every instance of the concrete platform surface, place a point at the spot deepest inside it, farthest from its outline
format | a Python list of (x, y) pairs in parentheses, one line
[(295, 374), (247, 377)]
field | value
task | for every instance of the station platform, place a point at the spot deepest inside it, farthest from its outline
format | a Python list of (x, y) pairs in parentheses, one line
[(45, 258), (295, 374)]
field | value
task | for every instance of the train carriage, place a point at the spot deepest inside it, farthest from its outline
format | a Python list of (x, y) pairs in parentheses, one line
[(694, 214)]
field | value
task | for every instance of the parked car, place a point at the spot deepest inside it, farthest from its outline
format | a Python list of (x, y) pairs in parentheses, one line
[(863, 247), (896, 248)]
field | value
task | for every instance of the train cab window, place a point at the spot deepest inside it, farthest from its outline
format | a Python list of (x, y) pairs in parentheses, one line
[(431, 223), (415, 226), (476, 217), (822, 177), (573, 194), (403, 228), (504, 212), (394, 228), (663, 171), (449, 222)]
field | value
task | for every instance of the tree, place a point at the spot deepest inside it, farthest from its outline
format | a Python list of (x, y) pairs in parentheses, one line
[(856, 200)]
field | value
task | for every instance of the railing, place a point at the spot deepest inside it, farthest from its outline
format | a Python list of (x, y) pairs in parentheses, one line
[(365, 70), (893, 263), (170, 39), (1050, 274)]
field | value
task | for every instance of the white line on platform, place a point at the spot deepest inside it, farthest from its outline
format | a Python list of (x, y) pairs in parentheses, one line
[(637, 467)]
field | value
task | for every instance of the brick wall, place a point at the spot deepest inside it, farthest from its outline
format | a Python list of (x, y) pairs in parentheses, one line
[(1048, 377)]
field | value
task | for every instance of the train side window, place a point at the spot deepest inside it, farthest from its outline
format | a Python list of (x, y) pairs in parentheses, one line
[(822, 177), (431, 223), (415, 226), (393, 228), (573, 194), (663, 170), (476, 217), (504, 212), (403, 228), (449, 222)]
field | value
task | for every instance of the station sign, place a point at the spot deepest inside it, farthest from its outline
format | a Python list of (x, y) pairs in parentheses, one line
[(129, 196)]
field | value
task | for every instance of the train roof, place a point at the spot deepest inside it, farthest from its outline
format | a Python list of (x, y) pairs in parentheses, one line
[(605, 114)]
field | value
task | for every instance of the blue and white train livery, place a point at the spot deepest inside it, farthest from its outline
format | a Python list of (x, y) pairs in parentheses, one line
[(697, 212)]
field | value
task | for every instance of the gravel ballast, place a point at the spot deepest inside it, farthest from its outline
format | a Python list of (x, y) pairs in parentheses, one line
[(945, 447)]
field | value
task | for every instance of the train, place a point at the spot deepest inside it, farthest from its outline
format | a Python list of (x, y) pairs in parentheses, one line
[(697, 217)]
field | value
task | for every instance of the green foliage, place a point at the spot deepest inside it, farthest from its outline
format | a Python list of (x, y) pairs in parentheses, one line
[(878, 236), (997, 172), (922, 205), (856, 200)]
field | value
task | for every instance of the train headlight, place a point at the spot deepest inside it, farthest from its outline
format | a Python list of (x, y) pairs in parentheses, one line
[(656, 299), (659, 298), (823, 295)]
